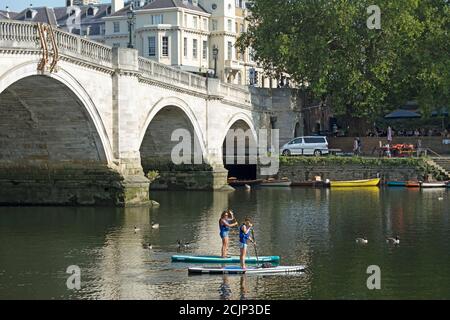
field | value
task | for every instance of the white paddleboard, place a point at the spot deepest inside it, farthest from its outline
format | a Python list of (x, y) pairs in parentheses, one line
[(249, 270)]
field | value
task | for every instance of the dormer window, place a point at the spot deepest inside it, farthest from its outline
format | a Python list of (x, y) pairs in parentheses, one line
[(108, 11), (30, 14), (91, 11)]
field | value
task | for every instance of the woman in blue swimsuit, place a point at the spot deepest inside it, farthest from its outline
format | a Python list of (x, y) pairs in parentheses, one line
[(244, 236), (225, 223)]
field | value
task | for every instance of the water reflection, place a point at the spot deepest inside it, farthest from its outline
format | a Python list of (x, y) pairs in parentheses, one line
[(313, 227)]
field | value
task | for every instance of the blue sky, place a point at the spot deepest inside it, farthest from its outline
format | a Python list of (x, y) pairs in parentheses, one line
[(19, 5)]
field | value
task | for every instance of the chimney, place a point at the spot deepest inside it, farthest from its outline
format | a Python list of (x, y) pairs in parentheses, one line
[(116, 6)]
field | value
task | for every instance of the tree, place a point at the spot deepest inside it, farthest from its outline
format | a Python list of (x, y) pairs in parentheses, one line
[(327, 47)]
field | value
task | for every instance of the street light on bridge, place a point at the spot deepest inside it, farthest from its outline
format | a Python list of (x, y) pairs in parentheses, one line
[(215, 53), (131, 17)]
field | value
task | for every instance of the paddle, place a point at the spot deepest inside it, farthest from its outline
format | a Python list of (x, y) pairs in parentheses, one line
[(256, 250)]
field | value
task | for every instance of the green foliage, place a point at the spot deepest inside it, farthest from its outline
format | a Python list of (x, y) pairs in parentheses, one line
[(387, 162), (326, 46), (153, 176)]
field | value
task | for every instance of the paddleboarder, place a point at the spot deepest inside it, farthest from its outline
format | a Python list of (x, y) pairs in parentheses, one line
[(245, 235), (226, 222)]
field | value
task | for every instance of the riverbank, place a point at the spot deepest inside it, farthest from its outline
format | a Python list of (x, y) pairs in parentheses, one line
[(301, 169)]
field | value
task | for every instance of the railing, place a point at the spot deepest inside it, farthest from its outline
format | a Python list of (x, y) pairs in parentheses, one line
[(17, 31), (18, 34), (238, 93), (170, 75), (24, 35)]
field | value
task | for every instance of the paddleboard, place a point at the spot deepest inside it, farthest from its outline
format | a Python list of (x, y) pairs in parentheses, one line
[(249, 270), (217, 259)]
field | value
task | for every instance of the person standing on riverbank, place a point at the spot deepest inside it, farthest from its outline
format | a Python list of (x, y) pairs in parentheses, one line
[(244, 236), (226, 222)]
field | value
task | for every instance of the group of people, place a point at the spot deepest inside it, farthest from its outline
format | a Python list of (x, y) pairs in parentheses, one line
[(228, 221), (389, 132)]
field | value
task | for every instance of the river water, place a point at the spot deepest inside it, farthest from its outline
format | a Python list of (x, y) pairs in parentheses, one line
[(316, 228)]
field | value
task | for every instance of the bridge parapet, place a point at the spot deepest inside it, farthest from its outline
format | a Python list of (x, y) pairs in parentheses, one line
[(160, 72), (19, 36)]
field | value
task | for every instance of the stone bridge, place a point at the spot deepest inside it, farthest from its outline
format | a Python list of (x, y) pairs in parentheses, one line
[(82, 123)]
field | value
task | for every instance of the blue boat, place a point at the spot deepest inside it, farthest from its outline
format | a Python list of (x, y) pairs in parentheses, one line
[(396, 184), (220, 260)]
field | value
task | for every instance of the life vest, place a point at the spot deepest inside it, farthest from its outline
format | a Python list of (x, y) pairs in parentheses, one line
[(243, 237), (224, 228)]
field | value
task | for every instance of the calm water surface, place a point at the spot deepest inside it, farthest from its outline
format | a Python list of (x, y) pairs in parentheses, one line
[(317, 228)]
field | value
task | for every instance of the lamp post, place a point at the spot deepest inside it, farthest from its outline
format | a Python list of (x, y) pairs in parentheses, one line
[(131, 16), (215, 56)]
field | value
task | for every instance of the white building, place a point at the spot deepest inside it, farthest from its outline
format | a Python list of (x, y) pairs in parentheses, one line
[(183, 33)]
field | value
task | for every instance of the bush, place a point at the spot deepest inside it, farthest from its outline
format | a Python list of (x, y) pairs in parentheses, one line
[(153, 176)]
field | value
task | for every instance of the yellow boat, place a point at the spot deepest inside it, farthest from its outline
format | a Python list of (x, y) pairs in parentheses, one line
[(355, 183)]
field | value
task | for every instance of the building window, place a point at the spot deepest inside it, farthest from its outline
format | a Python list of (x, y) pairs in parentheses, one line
[(239, 78), (195, 48), (29, 14), (152, 46), (195, 21), (185, 47), (90, 12), (116, 27), (230, 50), (157, 19), (205, 50), (230, 25), (185, 20), (205, 24), (108, 11), (242, 28), (251, 55), (214, 25), (165, 46)]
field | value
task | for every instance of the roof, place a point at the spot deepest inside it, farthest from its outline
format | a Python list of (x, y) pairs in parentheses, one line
[(163, 4), (4, 14), (59, 16), (403, 114), (43, 14)]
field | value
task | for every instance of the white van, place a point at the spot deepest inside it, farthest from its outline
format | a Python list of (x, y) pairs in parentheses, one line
[(306, 146)]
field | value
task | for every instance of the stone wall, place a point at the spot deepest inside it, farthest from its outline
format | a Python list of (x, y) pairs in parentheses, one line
[(302, 173), (190, 180), (61, 184)]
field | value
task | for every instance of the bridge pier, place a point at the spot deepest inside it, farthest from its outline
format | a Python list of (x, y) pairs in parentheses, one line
[(134, 188)]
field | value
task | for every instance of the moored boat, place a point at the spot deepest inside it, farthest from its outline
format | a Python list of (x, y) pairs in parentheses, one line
[(276, 183), (355, 183), (396, 184), (433, 185), (242, 183), (413, 184)]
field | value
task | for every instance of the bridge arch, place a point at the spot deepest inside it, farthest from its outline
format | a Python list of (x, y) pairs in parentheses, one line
[(240, 166), (69, 84), (182, 106), (156, 145)]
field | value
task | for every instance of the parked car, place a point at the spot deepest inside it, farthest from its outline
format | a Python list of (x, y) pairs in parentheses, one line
[(312, 146)]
